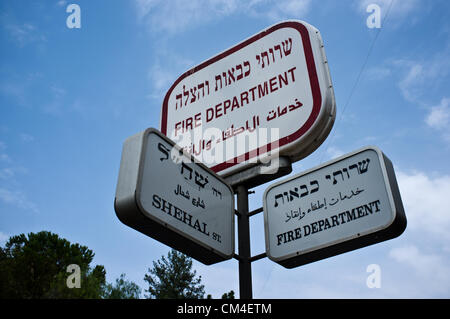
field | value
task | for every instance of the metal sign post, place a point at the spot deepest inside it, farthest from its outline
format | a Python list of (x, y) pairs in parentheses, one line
[(242, 183), (245, 267)]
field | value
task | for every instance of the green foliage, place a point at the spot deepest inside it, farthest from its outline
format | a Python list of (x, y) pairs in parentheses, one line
[(228, 295), (36, 267), (123, 289), (173, 278)]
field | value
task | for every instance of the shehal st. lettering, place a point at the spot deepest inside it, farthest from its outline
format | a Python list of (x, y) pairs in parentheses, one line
[(179, 214)]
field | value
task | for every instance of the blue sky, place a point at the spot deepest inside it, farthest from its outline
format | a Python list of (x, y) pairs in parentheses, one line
[(70, 97)]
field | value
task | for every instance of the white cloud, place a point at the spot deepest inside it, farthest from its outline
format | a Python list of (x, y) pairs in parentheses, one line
[(6, 173), (428, 271), (279, 10), (422, 76), (378, 73), (61, 3), (423, 199), (439, 118), (56, 103), (410, 85), (3, 156), (14, 90), (161, 77), (24, 34), (334, 152), (18, 199), (178, 15), (26, 137)]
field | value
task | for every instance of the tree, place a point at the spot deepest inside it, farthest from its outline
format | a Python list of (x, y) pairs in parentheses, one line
[(228, 295), (36, 267), (123, 289), (173, 278)]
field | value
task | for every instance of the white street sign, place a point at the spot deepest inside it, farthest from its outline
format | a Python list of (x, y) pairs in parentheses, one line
[(270, 93), (165, 195), (339, 206)]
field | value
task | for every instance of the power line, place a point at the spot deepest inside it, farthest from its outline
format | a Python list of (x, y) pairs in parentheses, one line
[(358, 78)]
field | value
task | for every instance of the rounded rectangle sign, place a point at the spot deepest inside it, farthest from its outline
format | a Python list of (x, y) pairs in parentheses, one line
[(270, 94), (168, 196), (339, 206)]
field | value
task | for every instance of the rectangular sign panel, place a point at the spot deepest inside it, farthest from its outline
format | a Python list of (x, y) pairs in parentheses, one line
[(345, 204), (165, 195), (270, 93)]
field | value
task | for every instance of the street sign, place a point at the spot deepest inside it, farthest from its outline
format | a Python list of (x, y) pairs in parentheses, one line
[(342, 205), (166, 195), (269, 95)]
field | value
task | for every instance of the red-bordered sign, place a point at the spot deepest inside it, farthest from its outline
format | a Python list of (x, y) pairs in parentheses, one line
[(277, 80)]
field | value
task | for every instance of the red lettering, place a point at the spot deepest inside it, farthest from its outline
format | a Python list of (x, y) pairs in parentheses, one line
[(244, 96), (226, 105), (291, 71), (253, 93), (177, 127), (198, 119), (218, 110), (209, 114), (235, 103), (273, 84), (189, 123), (282, 80), (262, 90)]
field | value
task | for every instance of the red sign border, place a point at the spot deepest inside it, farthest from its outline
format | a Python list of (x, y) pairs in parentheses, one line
[(313, 80)]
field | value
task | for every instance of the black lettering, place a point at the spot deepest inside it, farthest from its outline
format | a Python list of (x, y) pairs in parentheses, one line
[(327, 224), (376, 205), (279, 237), (314, 227), (197, 225), (306, 230), (298, 233), (368, 209), (157, 200), (350, 216), (178, 213), (204, 229), (187, 218), (360, 211), (290, 235), (334, 220), (164, 207), (341, 215), (321, 224)]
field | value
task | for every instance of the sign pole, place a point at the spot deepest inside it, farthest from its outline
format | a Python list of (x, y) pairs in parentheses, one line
[(245, 268)]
